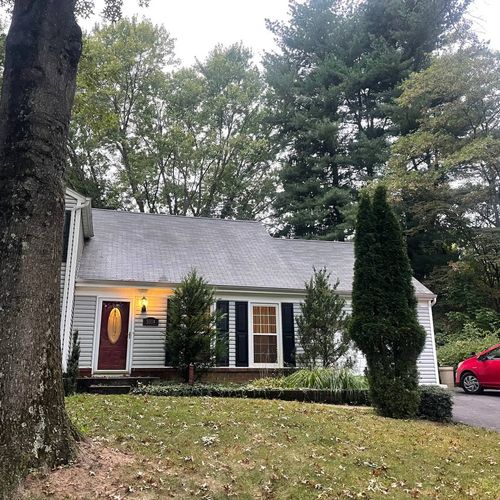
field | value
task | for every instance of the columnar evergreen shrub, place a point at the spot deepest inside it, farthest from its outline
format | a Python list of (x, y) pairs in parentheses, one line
[(192, 325), (384, 319), (322, 326)]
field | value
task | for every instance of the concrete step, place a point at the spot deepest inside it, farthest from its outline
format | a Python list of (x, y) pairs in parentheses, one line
[(88, 383), (108, 389)]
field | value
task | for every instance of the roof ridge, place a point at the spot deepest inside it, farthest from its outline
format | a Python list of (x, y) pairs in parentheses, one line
[(186, 217), (315, 241)]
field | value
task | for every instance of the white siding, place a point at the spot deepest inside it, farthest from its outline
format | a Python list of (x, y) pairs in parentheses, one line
[(427, 361), (84, 322), (232, 333), (69, 201), (148, 346)]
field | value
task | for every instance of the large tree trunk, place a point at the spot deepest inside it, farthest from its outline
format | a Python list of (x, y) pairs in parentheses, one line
[(42, 53)]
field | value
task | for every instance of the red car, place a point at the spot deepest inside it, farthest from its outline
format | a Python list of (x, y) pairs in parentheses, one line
[(481, 371)]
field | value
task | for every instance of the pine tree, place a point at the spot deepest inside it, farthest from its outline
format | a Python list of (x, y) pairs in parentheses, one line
[(322, 327), (332, 86), (385, 325), (192, 325)]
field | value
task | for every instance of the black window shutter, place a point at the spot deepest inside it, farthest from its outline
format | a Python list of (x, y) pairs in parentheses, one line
[(223, 334), (67, 224), (287, 324), (168, 357), (241, 321)]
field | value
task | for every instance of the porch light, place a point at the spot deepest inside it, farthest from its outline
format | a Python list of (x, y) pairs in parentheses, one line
[(144, 304)]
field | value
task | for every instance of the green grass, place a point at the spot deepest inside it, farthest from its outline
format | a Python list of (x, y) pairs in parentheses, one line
[(275, 449)]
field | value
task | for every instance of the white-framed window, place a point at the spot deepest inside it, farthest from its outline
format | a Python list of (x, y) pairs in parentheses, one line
[(265, 335)]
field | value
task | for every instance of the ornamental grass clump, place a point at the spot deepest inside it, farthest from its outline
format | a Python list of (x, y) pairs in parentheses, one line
[(325, 379)]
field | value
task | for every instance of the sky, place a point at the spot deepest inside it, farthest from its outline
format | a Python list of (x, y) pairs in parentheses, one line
[(198, 25)]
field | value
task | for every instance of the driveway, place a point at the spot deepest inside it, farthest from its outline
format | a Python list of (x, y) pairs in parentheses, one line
[(482, 410)]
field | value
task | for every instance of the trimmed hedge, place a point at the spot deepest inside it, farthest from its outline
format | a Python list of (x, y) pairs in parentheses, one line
[(354, 397), (436, 403)]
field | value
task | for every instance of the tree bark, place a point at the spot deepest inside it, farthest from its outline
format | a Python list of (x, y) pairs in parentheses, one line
[(42, 53)]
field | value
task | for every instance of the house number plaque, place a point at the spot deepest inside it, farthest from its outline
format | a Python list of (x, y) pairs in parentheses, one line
[(150, 322)]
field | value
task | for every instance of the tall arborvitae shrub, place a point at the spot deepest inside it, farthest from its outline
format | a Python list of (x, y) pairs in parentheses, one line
[(322, 326), (384, 317), (192, 325)]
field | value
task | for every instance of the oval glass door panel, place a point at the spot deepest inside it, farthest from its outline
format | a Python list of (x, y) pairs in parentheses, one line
[(114, 325)]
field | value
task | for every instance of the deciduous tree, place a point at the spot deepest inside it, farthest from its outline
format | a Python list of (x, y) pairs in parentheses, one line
[(42, 51)]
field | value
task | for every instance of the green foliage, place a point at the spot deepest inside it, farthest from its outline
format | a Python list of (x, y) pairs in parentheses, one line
[(331, 88), (456, 350), (121, 75), (384, 320), (190, 141), (191, 325), (318, 378), (322, 326), (325, 379), (359, 397), (446, 171), (72, 370), (436, 403)]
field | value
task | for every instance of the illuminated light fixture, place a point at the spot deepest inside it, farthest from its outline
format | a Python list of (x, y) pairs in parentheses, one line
[(144, 304)]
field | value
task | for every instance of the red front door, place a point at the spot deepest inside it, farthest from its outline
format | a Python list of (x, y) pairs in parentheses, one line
[(113, 338)]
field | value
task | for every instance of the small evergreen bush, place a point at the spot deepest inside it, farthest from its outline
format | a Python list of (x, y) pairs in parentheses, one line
[(72, 371), (192, 325), (436, 404), (322, 326)]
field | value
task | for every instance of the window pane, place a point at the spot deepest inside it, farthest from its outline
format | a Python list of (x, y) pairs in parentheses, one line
[(264, 319), (265, 348)]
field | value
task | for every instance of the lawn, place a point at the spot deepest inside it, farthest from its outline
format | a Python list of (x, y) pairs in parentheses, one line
[(160, 447)]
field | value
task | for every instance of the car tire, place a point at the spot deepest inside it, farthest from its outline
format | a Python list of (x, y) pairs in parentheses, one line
[(470, 384)]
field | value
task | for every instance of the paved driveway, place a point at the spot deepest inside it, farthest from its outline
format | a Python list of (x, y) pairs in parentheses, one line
[(482, 410)]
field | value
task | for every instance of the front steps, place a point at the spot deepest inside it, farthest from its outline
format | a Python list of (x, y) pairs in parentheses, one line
[(112, 385)]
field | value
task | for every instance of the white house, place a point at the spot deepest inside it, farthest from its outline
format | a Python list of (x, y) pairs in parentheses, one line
[(119, 268)]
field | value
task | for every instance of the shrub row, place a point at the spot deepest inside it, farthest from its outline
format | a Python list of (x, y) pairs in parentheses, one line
[(348, 397), (436, 403)]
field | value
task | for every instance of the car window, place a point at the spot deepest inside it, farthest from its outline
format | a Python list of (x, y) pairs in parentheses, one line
[(495, 354)]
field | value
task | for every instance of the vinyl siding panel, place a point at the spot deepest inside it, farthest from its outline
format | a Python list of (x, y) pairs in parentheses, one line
[(84, 322), (427, 360), (149, 341)]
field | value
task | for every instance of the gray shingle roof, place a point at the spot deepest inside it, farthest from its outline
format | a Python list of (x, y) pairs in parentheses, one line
[(149, 248)]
